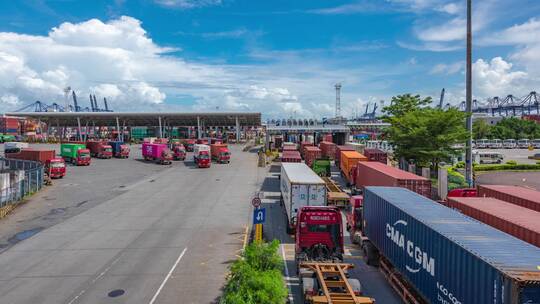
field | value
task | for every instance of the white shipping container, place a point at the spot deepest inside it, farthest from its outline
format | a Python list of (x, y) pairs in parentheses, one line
[(15, 146), (300, 186)]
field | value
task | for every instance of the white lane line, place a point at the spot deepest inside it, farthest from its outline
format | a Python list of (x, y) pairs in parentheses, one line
[(168, 276), (287, 277)]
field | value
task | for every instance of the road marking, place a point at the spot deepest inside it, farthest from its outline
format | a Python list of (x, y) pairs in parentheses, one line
[(168, 276), (287, 277)]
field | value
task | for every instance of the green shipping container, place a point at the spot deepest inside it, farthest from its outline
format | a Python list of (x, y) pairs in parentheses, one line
[(321, 167), (70, 150)]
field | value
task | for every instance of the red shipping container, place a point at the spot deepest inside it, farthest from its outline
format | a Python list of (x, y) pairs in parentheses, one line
[(520, 222), (311, 154), (303, 145), (35, 155), (291, 157), (290, 147), (338, 153), (376, 155), (520, 196), (328, 149), (377, 174), (328, 137)]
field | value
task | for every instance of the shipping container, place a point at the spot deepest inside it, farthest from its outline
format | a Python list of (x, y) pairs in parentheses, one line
[(303, 146), (300, 186), (520, 222), (328, 138), (311, 153), (328, 149), (288, 146), (291, 157), (339, 149), (377, 174), (520, 196), (41, 156), (447, 256), (358, 147), (348, 160), (376, 155)]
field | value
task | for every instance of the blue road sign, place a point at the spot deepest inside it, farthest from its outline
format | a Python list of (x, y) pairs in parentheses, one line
[(259, 216)]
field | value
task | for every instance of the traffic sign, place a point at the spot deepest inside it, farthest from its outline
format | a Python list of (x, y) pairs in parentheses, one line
[(259, 215), (256, 202)]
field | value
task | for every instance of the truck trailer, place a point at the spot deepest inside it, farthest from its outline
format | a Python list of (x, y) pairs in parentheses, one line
[(445, 256), (300, 187), (159, 153), (220, 153), (99, 149), (54, 166), (119, 149), (201, 155)]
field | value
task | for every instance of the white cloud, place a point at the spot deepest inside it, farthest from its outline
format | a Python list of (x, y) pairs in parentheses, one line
[(187, 4), (447, 69), (496, 78)]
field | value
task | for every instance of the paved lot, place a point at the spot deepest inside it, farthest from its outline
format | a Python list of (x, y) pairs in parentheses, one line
[(524, 179), (167, 236), (519, 155)]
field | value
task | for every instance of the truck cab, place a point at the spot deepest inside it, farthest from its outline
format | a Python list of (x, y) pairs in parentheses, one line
[(319, 234), (166, 157), (56, 167), (106, 151), (119, 149), (83, 157), (179, 152), (354, 218), (189, 145), (201, 155)]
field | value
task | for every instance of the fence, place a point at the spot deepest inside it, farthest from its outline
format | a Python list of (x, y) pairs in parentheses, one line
[(19, 178)]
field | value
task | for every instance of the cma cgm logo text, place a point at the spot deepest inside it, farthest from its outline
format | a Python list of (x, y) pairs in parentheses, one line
[(420, 257)]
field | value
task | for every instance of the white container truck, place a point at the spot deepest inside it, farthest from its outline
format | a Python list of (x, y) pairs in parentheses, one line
[(200, 149), (300, 186)]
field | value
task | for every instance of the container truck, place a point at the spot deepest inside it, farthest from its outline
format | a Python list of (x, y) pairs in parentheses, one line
[(189, 144), (299, 187), (291, 156), (347, 163), (339, 149), (160, 153), (99, 149), (378, 174), (516, 195), (434, 254), (119, 149), (311, 153), (75, 153), (328, 149), (354, 218), (376, 155), (179, 152), (14, 147), (220, 153), (201, 155), (54, 166), (334, 195), (520, 222)]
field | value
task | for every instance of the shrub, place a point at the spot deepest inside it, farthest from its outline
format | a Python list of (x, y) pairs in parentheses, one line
[(511, 162), (507, 167), (256, 277)]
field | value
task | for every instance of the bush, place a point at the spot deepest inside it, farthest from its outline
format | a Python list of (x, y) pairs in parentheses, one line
[(507, 167), (511, 162), (456, 180), (256, 277)]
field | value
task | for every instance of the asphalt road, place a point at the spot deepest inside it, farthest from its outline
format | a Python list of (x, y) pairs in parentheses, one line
[(166, 238)]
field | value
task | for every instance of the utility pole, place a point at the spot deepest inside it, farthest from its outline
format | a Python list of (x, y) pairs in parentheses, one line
[(468, 101)]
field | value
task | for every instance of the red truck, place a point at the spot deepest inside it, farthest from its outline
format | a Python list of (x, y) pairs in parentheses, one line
[(189, 144), (179, 152), (55, 167), (220, 153), (120, 149), (354, 218), (159, 153), (201, 156), (99, 149)]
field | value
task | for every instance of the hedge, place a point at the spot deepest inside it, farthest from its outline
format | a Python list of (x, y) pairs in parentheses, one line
[(507, 167), (256, 277)]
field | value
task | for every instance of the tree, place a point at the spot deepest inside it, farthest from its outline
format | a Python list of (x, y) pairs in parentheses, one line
[(481, 129), (424, 135)]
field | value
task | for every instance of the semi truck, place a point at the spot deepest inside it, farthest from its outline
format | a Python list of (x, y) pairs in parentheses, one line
[(201, 155), (99, 149), (119, 149), (433, 254), (160, 153), (179, 152), (75, 153), (347, 164), (220, 153), (54, 166), (299, 187)]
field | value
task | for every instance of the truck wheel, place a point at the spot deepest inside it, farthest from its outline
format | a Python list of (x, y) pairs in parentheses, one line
[(356, 286), (371, 255)]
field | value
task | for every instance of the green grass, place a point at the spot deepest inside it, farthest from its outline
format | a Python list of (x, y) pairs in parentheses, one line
[(256, 277)]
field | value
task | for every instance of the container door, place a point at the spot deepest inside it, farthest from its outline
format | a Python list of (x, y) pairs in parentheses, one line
[(317, 195), (299, 198)]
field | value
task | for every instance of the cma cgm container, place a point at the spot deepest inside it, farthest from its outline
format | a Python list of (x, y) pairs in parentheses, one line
[(376, 155), (377, 174), (328, 149), (291, 157), (311, 154), (300, 187), (339, 149), (518, 221), (513, 194), (447, 256)]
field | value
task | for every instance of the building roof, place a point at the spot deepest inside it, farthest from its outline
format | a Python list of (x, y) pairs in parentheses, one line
[(145, 118), (273, 129)]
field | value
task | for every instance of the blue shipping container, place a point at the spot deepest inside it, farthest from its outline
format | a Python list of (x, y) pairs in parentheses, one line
[(447, 256), (116, 146)]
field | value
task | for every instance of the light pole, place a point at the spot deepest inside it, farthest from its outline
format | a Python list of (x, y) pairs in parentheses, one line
[(468, 100)]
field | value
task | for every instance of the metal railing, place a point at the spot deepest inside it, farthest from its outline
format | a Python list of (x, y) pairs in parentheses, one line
[(19, 178)]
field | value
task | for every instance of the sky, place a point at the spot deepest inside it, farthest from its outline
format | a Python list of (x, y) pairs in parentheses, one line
[(279, 57)]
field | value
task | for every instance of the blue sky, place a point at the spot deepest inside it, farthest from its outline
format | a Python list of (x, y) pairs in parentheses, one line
[(279, 57)]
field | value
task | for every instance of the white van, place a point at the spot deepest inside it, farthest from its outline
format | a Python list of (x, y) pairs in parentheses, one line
[(523, 143), (487, 157), (509, 144), (495, 144), (482, 143)]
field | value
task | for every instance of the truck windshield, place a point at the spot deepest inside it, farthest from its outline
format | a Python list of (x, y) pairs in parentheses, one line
[(225, 153), (58, 165), (85, 155), (204, 156), (108, 149), (319, 228)]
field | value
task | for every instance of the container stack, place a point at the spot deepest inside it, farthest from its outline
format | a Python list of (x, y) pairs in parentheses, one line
[(376, 155), (9, 125), (291, 156), (328, 149), (339, 149), (513, 194), (311, 153)]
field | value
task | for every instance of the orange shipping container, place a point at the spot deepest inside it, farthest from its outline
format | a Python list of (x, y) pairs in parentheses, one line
[(348, 160)]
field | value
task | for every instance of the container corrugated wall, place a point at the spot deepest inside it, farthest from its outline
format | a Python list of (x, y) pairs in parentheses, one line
[(447, 256), (513, 194)]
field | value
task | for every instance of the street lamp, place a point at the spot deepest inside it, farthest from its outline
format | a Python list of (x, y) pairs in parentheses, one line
[(468, 100)]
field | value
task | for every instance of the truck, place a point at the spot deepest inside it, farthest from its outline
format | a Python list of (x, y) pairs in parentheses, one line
[(334, 195), (119, 149), (189, 144), (160, 153), (299, 187), (14, 147), (54, 166), (433, 254), (220, 153), (201, 155), (179, 152), (353, 215), (347, 163), (99, 149), (322, 167), (76, 153), (319, 249)]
